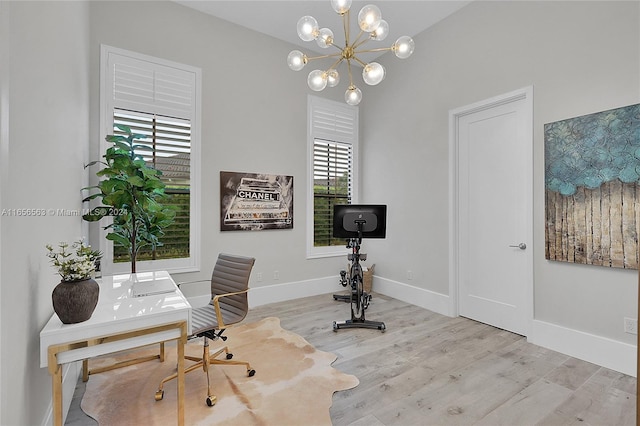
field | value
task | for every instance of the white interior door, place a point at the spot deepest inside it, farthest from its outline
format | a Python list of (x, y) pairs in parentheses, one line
[(492, 205)]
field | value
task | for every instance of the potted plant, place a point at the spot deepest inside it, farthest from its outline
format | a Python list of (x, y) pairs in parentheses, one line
[(76, 296), (131, 192)]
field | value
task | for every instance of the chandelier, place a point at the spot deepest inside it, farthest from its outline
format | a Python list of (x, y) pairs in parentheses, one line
[(372, 27)]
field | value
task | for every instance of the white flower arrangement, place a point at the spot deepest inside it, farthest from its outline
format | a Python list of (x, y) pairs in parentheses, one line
[(76, 264)]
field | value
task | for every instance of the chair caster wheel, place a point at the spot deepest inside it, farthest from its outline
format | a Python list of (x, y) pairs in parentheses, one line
[(251, 373), (159, 395), (211, 400), (229, 356), (335, 326)]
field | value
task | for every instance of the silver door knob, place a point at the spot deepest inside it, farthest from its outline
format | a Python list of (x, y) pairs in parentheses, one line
[(521, 246)]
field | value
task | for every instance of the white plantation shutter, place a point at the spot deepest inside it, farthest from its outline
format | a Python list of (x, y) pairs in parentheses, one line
[(141, 85), (334, 122), (161, 100), (333, 139), (168, 143), (332, 183), (330, 161)]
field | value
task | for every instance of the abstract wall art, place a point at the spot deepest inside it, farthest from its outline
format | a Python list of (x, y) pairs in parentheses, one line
[(592, 191)]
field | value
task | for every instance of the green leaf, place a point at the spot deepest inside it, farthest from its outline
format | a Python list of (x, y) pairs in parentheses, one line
[(119, 239), (92, 163), (135, 136), (122, 146), (91, 197), (91, 217), (136, 181), (124, 128), (116, 138)]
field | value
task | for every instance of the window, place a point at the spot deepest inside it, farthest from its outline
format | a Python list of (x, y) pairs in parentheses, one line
[(168, 144), (161, 100), (331, 185), (333, 148)]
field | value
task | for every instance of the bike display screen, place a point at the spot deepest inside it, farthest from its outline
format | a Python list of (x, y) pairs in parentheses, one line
[(360, 221)]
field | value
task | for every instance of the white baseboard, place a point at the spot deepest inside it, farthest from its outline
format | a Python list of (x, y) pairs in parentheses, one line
[(294, 290), (435, 302), (612, 354), (70, 375), (280, 292)]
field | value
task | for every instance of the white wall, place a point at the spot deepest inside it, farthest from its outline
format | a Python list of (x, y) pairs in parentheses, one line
[(581, 57), (48, 131), (4, 132)]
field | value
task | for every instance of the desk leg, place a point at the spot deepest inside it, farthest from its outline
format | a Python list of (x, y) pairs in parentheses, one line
[(180, 348), (85, 370), (56, 380)]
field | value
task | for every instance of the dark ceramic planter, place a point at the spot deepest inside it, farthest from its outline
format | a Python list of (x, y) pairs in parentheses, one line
[(75, 301)]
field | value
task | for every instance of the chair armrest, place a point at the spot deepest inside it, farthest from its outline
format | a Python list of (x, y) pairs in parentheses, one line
[(193, 282), (216, 305)]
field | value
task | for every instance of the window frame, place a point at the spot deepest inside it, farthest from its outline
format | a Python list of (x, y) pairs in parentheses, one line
[(335, 131), (110, 54)]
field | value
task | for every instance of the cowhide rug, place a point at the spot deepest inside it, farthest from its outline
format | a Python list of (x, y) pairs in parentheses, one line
[(293, 385)]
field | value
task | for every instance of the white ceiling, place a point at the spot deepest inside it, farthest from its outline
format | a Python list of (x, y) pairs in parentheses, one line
[(278, 18)]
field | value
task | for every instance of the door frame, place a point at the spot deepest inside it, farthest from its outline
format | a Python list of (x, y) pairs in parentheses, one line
[(455, 115)]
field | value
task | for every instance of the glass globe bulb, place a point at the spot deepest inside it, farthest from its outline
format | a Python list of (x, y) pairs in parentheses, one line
[(353, 95), (369, 18), (373, 73), (403, 47), (307, 28), (317, 80), (325, 38), (296, 60), (341, 6), (381, 32), (333, 78)]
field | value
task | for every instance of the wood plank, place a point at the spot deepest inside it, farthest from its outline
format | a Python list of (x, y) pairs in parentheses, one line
[(523, 408), (605, 207), (596, 226), (615, 224), (550, 225), (630, 238), (579, 226), (588, 219)]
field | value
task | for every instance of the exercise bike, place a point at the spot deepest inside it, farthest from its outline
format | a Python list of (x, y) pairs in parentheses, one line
[(359, 298), (345, 279)]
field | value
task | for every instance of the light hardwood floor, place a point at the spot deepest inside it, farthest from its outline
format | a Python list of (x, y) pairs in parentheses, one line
[(429, 369)]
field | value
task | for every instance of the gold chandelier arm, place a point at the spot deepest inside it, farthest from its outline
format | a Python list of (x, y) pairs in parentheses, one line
[(350, 76), (380, 49), (357, 41), (333, 55), (359, 61), (338, 47), (355, 46), (335, 64), (345, 25)]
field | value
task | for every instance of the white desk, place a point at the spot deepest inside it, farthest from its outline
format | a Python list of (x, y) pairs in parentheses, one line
[(119, 322)]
